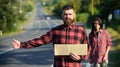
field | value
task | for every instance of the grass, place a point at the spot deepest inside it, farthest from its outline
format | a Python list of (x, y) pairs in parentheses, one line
[(114, 56), (11, 33), (17, 31), (115, 39)]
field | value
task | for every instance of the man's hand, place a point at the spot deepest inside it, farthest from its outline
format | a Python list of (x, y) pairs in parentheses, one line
[(16, 44), (74, 57)]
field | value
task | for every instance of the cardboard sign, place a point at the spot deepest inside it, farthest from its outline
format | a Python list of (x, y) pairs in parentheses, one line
[(66, 49)]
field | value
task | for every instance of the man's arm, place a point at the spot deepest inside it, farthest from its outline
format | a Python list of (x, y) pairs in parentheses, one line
[(44, 39)]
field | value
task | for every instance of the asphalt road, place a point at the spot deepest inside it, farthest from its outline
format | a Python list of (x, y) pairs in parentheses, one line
[(36, 57)]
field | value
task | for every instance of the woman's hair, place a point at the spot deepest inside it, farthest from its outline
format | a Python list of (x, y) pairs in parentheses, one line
[(99, 22)]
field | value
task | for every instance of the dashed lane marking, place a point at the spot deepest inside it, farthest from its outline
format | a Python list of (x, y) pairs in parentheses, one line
[(5, 51)]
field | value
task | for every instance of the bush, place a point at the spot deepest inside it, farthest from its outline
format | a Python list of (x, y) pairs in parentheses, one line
[(118, 28), (12, 10), (82, 17), (58, 8)]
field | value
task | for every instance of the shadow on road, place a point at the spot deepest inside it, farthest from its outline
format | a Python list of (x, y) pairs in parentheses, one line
[(33, 56)]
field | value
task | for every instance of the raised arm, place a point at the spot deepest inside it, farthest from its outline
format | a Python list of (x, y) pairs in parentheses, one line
[(44, 39)]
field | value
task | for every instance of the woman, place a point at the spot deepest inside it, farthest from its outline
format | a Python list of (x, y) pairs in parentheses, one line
[(100, 43)]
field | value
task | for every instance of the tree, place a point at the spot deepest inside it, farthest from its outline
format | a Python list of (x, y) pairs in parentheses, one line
[(107, 7), (11, 11), (7, 14)]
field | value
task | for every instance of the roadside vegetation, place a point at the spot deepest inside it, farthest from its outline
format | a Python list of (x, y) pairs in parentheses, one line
[(114, 56), (13, 15)]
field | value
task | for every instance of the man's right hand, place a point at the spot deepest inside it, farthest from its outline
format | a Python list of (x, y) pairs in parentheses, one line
[(16, 44)]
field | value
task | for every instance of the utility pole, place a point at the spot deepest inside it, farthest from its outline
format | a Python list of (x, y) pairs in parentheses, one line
[(75, 3), (75, 7), (92, 4)]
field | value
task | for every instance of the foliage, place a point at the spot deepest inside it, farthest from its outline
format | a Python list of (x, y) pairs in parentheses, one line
[(115, 50), (58, 8), (7, 14), (79, 5), (60, 3), (11, 11), (108, 6), (103, 9), (113, 24), (82, 17)]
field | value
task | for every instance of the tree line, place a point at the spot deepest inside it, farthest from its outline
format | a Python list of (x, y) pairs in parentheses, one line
[(12, 13), (86, 10)]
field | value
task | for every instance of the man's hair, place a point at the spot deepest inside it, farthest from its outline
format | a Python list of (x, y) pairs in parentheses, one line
[(67, 7)]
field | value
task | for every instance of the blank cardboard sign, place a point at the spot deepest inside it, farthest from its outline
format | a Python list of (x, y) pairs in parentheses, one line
[(66, 49)]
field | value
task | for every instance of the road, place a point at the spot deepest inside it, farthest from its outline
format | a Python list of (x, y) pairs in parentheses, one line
[(35, 57)]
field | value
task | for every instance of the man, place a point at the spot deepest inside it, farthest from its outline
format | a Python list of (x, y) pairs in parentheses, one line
[(100, 43), (67, 33)]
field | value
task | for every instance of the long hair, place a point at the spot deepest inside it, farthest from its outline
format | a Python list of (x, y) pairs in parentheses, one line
[(99, 22)]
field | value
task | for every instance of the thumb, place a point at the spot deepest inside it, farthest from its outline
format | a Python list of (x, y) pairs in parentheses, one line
[(16, 44), (16, 41)]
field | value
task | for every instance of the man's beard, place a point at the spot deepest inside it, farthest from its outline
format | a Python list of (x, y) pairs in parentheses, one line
[(68, 22)]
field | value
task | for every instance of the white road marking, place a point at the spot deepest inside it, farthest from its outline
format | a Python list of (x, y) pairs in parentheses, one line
[(10, 49), (48, 24), (51, 65)]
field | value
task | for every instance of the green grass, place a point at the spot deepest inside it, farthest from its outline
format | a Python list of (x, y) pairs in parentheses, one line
[(11, 33), (114, 56)]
